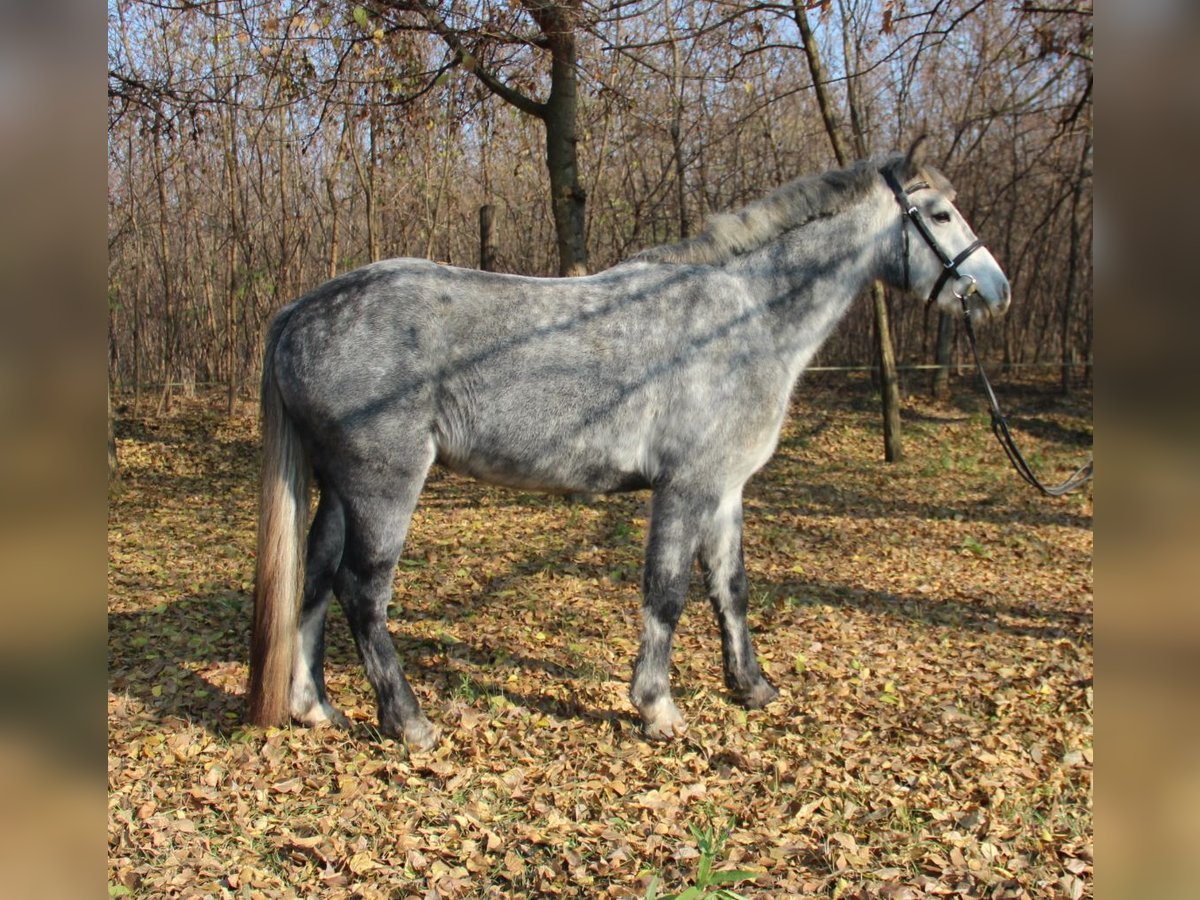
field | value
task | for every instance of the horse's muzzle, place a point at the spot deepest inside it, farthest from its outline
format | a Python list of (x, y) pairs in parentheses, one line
[(983, 301)]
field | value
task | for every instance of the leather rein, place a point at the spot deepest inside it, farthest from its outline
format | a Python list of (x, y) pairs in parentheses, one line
[(950, 270)]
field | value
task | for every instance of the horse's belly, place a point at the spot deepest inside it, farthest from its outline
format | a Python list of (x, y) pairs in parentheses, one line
[(547, 472), (545, 435)]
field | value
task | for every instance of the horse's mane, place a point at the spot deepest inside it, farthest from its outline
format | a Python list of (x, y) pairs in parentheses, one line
[(790, 206)]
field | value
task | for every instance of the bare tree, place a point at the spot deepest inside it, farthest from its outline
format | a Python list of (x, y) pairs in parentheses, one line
[(893, 449), (479, 50), (257, 149)]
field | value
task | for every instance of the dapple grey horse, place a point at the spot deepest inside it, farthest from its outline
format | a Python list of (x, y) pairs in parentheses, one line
[(671, 371)]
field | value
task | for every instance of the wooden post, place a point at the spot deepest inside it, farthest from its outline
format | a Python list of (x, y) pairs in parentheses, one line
[(940, 386), (487, 244), (889, 382)]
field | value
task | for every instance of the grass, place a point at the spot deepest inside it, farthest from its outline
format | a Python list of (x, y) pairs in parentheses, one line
[(707, 882)]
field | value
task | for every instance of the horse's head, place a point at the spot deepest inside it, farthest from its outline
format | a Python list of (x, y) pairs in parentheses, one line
[(941, 257)]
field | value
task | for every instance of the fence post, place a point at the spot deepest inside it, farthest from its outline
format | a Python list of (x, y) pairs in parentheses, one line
[(889, 383), (940, 385)]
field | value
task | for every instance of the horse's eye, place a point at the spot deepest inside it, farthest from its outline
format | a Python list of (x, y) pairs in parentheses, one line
[(942, 217)]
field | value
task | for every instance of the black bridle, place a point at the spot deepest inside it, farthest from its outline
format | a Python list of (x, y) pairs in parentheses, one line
[(950, 270), (949, 264)]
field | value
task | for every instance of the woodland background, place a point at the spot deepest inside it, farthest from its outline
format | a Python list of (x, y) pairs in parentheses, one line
[(930, 623), (258, 148)]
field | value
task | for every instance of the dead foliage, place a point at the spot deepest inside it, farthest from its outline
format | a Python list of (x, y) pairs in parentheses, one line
[(929, 623)]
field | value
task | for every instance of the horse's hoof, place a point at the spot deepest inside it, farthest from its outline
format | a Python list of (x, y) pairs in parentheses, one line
[(759, 695), (421, 735), (658, 732), (661, 721), (318, 716), (338, 719)]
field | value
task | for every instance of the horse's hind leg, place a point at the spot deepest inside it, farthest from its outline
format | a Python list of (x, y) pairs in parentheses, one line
[(721, 561), (376, 524), (309, 702)]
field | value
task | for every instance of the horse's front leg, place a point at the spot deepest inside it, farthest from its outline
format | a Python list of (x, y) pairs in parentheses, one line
[(670, 551), (724, 569)]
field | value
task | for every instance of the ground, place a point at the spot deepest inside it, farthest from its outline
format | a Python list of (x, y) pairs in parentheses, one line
[(928, 622)]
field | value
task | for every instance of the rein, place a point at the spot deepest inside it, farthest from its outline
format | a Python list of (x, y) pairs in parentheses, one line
[(950, 268), (1081, 476)]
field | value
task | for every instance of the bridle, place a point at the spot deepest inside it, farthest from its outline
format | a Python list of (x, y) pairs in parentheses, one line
[(950, 270), (949, 264)]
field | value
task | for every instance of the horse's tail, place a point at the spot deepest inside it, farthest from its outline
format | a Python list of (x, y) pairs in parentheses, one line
[(279, 573)]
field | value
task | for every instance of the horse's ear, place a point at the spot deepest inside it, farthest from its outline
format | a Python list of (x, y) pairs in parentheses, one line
[(916, 158)]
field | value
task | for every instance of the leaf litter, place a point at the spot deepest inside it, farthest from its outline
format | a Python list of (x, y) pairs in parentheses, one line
[(929, 624)]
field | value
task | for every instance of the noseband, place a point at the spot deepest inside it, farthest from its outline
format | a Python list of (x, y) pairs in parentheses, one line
[(949, 264)]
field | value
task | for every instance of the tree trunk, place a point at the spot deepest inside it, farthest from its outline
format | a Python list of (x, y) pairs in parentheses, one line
[(567, 195), (283, 287), (137, 321), (231, 185), (1073, 264), (170, 336), (676, 128), (487, 244), (137, 349), (112, 438), (889, 382), (813, 54), (366, 180), (557, 21), (334, 224)]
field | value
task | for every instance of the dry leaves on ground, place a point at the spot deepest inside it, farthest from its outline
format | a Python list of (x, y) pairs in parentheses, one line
[(929, 623)]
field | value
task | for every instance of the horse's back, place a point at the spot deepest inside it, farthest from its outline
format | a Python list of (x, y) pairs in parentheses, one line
[(593, 383)]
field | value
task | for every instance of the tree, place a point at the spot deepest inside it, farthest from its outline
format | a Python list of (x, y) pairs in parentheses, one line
[(475, 49), (112, 439), (893, 449), (257, 149)]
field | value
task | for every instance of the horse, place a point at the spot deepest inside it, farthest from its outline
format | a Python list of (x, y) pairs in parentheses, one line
[(671, 371)]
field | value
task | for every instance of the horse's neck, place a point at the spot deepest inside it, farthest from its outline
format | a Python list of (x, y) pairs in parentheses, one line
[(808, 278)]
